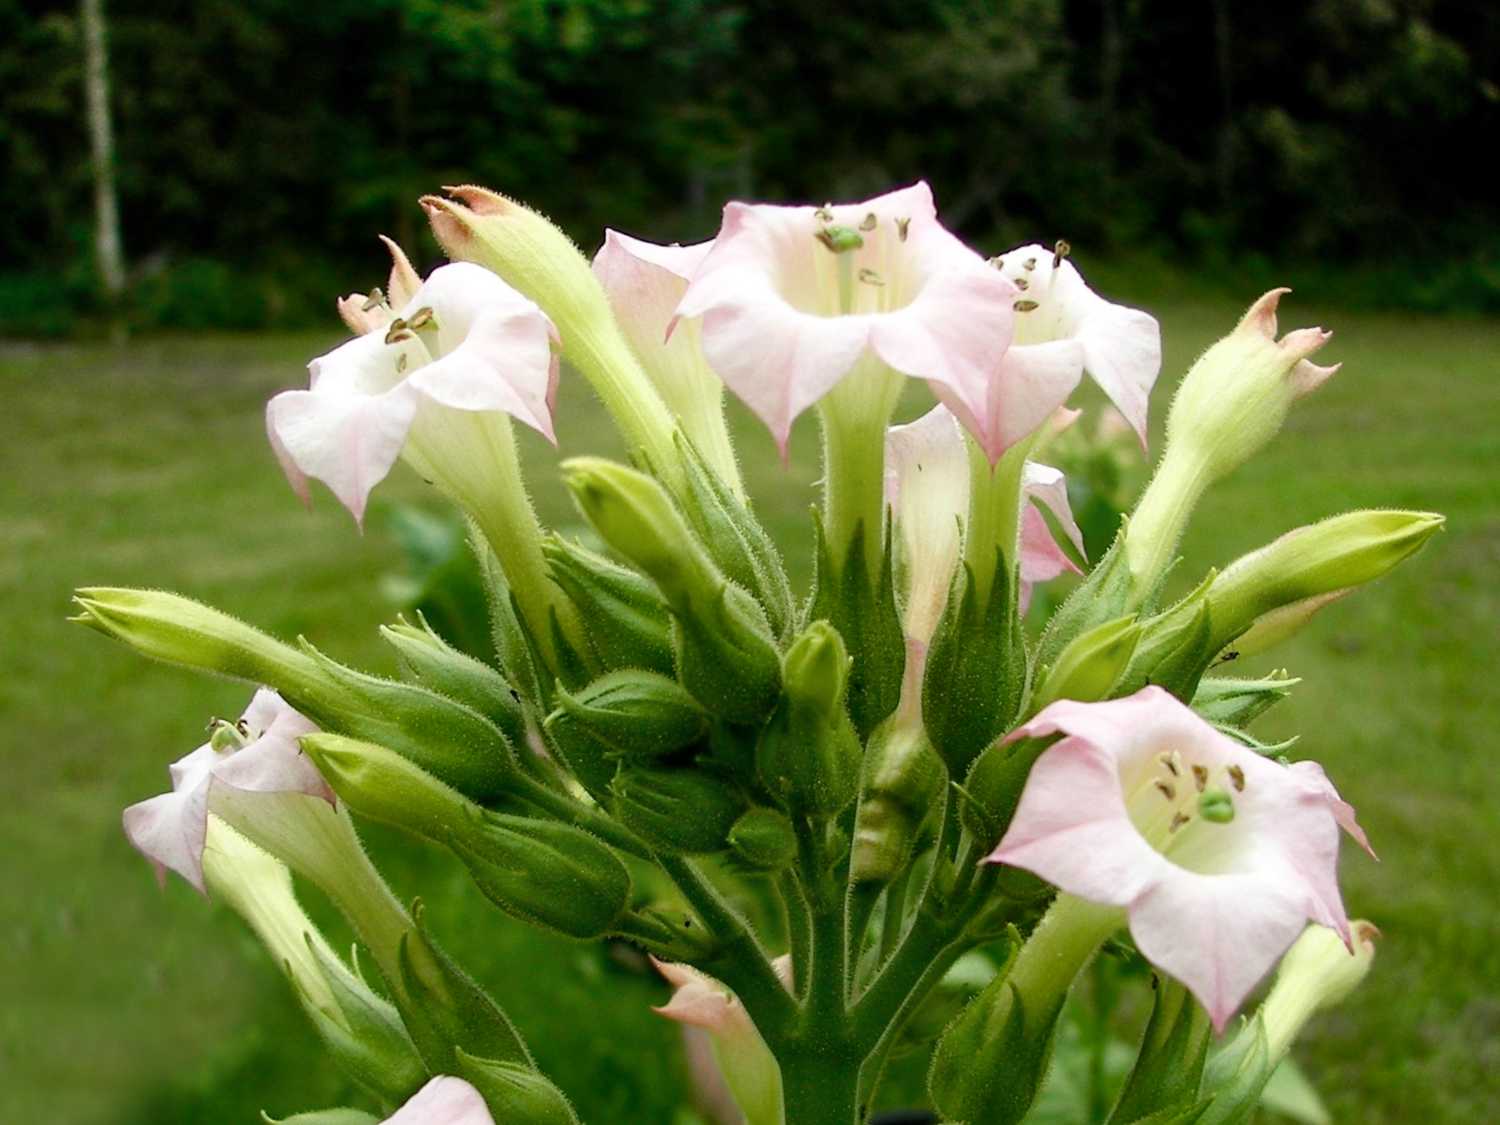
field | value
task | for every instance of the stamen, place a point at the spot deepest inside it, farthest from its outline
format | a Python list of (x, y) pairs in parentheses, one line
[(1200, 778), (373, 301), (901, 228), (1237, 778), (870, 277), (824, 214), (1029, 264), (1166, 789), (1169, 761), (401, 363), (840, 240), (1022, 284), (1060, 251), (869, 221), (397, 332), (1178, 821), (420, 319), (1026, 306)]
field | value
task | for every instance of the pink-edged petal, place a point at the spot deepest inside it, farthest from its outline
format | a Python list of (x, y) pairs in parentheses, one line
[(700, 1001), (780, 361), (1028, 386), (1041, 558), (1217, 934), (404, 281), (1049, 487), (170, 829), (1122, 353), (627, 266), (349, 442), (1128, 726), (927, 486), (1072, 828), (445, 1100), (1342, 810)]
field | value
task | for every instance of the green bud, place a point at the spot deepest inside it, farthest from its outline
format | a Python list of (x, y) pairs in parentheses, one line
[(1169, 1064), (1311, 562), (515, 1092), (990, 1061), (441, 735), (1089, 667), (1107, 594), (444, 1009), (1175, 649), (1228, 406), (903, 780), (432, 661), (676, 810), (735, 539), (635, 714), (536, 258), (338, 1116), (808, 754), (1231, 702), (552, 875), (726, 656), (975, 679), (384, 786), (764, 840), (863, 610), (628, 623)]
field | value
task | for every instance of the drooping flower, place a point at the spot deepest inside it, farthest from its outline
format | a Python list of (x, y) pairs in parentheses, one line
[(792, 299), (745, 1062), (928, 488), (445, 1100), (1058, 315), (257, 754), (1218, 857), (463, 344)]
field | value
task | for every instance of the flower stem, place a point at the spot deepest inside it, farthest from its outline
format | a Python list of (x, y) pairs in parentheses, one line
[(994, 511), (854, 416)]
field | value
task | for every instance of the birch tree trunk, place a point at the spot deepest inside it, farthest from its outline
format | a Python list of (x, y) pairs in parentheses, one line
[(108, 254)]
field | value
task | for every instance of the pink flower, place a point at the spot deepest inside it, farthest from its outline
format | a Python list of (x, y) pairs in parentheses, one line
[(1219, 857), (927, 486), (445, 1100), (257, 754), (1060, 320), (744, 1060), (463, 344), (792, 299)]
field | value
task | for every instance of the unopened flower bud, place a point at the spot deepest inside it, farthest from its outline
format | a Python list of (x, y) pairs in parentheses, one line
[(763, 839), (515, 1091), (1235, 702), (634, 714), (1089, 667), (677, 811), (1169, 1065), (1175, 649), (552, 875), (726, 656), (903, 778), (628, 622), (808, 754), (384, 786), (535, 257), (1228, 406), (438, 665), (1314, 561), (445, 1009)]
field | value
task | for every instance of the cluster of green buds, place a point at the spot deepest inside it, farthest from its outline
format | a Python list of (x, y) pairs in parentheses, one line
[(808, 807)]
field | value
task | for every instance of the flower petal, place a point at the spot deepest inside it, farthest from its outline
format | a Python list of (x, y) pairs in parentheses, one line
[(445, 1100), (1022, 392), (927, 486), (170, 829), (1048, 485), (349, 442), (494, 347), (1041, 558)]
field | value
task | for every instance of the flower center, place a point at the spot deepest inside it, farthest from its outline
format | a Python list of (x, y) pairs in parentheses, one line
[(1039, 313), (1185, 809), (858, 262), (226, 737)]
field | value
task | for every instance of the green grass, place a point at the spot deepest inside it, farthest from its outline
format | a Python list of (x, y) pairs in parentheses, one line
[(149, 466)]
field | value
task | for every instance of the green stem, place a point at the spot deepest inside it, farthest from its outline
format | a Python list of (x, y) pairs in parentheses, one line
[(574, 812), (828, 981), (799, 929), (1069, 934), (1155, 527), (821, 1085), (854, 416), (994, 511)]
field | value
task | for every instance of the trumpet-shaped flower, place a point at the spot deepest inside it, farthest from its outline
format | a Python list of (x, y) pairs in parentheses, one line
[(928, 485), (1059, 320), (445, 1100), (257, 754), (746, 1063), (1217, 856), (463, 343), (791, 299)]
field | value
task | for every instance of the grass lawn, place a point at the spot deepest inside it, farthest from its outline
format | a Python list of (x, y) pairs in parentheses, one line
[(149, 466)]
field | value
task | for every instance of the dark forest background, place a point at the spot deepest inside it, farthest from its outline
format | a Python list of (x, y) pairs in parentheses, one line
[(260, 144)]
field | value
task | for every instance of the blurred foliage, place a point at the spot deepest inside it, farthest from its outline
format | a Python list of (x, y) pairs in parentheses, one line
[(261, 143)]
